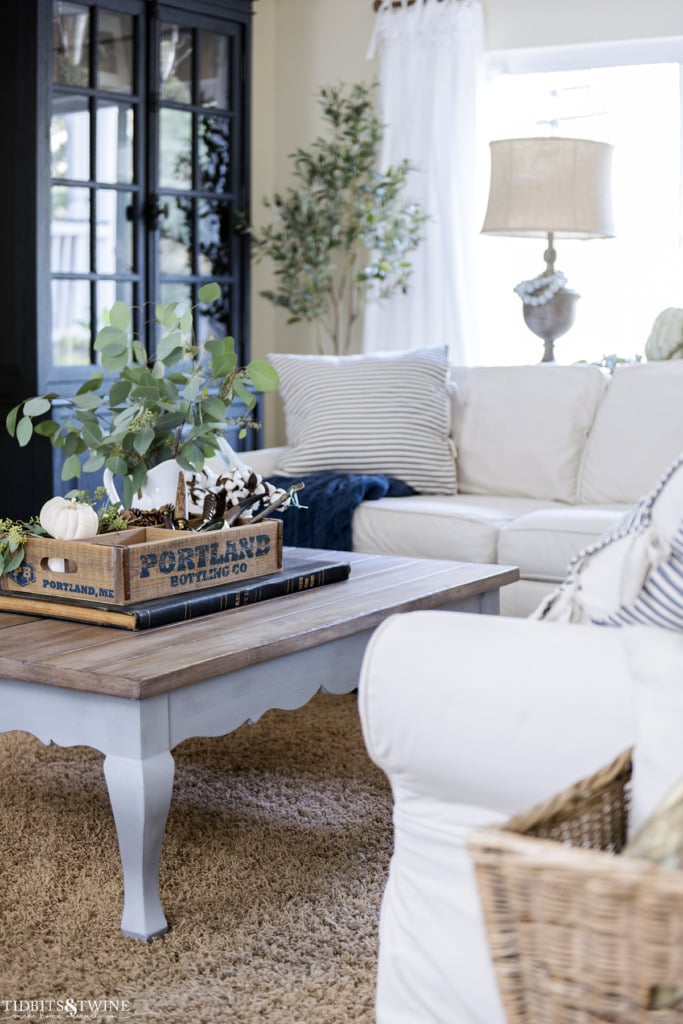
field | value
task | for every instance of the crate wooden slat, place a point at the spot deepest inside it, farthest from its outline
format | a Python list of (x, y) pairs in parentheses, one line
[(144, 563)]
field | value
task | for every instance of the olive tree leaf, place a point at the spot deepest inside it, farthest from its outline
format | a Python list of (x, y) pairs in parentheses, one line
[(342, 225)]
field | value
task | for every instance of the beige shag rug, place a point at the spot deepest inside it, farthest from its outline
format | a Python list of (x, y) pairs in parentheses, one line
[(272, 871)]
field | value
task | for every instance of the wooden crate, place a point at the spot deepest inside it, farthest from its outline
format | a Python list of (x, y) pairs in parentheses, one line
[(144, 563)]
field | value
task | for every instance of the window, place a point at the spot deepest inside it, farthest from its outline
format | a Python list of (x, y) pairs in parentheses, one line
[(623, 282)]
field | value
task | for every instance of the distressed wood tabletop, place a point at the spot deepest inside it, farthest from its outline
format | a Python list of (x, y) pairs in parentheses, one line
[(141, 664)]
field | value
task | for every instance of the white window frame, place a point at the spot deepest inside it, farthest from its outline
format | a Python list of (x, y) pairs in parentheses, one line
[(578, 56)]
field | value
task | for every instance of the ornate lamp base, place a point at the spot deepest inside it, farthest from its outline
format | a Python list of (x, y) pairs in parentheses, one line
[(552, 319)]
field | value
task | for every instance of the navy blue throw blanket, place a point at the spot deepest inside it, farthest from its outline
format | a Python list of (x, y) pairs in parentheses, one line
[(330, 500)]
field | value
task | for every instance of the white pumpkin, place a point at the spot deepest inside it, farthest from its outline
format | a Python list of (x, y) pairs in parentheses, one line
[(68, 519)]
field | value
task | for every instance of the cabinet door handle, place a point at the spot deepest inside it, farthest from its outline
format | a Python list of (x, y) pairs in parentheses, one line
[(154, 211)]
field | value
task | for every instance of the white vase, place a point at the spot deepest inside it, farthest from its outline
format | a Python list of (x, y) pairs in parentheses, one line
[(160, 486)]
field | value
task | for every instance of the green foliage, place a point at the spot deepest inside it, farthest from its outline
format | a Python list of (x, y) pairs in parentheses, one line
[(13, 537), (345, 231), (133, 413)]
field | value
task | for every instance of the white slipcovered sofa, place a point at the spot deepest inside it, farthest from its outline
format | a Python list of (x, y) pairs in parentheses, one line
[(546, 459)]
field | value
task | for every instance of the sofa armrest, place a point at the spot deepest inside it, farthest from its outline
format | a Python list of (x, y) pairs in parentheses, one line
[(473, 718), (498, 712)]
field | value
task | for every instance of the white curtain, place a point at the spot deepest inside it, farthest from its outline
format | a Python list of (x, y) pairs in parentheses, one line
[(430, 59)]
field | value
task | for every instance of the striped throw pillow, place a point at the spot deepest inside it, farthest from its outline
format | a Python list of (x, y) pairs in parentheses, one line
[(379, 413), (632, 575)]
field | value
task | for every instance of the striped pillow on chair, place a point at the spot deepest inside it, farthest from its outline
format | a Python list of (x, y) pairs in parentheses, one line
[(632, 575)]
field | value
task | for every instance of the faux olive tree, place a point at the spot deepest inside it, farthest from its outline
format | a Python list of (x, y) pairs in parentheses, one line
[(344, 230)]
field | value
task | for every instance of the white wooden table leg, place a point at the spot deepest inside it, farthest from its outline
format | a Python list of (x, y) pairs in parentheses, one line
[(140, 794)]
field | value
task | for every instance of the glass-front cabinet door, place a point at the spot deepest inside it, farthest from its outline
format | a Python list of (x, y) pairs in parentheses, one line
[(148, 168), (98, 181)]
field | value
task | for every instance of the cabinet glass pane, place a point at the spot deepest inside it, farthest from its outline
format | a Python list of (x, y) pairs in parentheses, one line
[(213, 321), (70, 138), (70, 322), (175, 291), (114, 143), (214, 67), (175, 149), (175, 236), (115, 52), (114, 232), (70, 44), (70, 230), (214, 154), (175, 64), (214, 237)]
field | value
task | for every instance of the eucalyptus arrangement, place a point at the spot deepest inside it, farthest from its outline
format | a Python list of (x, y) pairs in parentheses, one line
[(135, 412), (344, 232)]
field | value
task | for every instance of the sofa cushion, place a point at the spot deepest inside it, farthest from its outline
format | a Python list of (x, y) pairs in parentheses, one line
[(638, 432), (463, 527), (634, 572), (521, 430), (543, 543), (383, 413)]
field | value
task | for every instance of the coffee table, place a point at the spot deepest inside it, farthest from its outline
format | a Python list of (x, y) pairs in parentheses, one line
[(135, 696)]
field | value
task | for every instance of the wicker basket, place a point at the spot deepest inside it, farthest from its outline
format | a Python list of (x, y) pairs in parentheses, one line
[(577, 934)]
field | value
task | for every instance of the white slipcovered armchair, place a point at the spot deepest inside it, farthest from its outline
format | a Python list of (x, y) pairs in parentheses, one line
[(474, 718)]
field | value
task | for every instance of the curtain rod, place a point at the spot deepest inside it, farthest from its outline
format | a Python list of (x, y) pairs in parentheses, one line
[(395, 3)]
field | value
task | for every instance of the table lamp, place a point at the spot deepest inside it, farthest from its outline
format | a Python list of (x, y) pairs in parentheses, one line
[(549, 188)]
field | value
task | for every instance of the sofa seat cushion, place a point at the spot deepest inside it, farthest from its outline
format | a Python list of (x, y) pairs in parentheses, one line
[(543, 543), (638, 432), (462, 527), (521, 430)]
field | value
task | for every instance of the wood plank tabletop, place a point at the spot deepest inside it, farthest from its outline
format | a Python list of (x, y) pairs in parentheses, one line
[(141, 664)]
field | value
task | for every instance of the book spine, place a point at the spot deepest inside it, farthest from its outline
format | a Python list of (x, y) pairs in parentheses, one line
[(204, 602)]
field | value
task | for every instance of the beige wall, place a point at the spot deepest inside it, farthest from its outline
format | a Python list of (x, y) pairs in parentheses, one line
[(300, 45)]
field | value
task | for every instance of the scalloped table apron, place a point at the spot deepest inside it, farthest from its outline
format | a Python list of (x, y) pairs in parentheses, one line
[(134, 696)]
